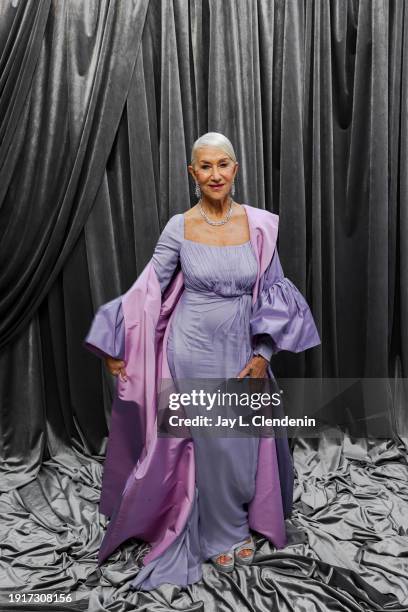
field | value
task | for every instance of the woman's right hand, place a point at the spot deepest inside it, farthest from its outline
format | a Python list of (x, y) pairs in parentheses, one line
[(116, 367)]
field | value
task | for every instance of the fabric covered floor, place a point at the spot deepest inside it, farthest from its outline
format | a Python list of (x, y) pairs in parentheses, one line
[(348, 546)]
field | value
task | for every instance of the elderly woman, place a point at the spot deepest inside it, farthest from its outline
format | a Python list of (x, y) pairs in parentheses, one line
[(216, 270)]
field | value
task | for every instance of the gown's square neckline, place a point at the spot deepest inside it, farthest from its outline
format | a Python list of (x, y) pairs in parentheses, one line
[(218, 246)]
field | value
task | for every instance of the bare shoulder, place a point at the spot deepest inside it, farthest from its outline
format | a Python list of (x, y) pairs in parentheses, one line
[(239, 210), (192, 216), (187, 213)]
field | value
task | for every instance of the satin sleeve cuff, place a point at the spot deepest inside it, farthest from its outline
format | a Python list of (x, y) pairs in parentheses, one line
[(264, 346), (106, 337)]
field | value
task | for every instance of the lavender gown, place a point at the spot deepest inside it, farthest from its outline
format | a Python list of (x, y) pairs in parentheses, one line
[(210, 337)]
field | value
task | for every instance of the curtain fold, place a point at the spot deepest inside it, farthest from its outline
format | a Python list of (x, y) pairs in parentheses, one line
[(22, 30), (62, 136)]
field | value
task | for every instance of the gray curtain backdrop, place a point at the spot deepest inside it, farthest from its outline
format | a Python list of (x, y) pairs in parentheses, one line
[(100, 103)]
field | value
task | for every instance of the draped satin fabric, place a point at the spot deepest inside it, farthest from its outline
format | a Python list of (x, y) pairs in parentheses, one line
[(100, 102)]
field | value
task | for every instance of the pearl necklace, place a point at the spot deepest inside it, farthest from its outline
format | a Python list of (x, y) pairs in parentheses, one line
[(210, 221)]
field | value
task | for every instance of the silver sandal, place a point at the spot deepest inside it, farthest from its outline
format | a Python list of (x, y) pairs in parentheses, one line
[(248, 544), (224, 567)]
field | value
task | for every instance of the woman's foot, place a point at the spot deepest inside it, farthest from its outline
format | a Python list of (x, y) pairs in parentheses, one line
[(224, 562), (244, 554)]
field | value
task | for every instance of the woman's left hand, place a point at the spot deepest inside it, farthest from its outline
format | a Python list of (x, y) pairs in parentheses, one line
[(255, 368)]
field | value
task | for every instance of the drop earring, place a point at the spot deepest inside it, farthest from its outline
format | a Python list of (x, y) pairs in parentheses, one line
[(233, 188), (197, 190)]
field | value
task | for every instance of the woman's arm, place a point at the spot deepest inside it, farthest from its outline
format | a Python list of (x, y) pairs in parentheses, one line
[(167, 251), (106, 337), (281, 318)]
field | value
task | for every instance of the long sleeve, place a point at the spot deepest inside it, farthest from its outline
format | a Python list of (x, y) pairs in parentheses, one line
[(166, 253), (106, 336), (281, 318)]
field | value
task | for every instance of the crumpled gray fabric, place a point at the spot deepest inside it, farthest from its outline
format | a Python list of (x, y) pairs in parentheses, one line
[(348, 540)]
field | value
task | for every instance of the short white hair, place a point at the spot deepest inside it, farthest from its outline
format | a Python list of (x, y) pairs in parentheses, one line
[(213, 139)]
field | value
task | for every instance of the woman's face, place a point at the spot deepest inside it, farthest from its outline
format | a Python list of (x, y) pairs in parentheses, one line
[(214, 171)]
